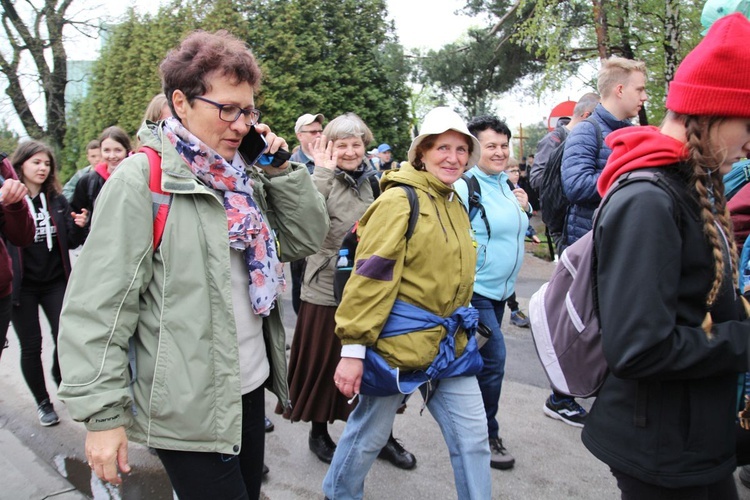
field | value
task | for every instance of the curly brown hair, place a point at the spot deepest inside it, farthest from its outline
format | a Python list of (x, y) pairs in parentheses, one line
[(202, 54)]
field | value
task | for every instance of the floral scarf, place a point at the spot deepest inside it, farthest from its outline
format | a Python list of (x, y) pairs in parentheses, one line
[(248, 230)]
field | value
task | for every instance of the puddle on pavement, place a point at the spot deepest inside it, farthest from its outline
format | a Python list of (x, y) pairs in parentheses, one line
[(140, 484)]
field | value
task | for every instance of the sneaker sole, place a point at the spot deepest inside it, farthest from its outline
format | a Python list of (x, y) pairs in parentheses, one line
[(553, 414), (502, 465), (49, 424)]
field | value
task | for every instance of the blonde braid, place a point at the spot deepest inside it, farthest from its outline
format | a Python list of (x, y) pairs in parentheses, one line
[(701, 162)]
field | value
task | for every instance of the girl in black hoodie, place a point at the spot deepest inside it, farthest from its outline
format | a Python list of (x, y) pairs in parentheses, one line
[(41, 270), (674, 330)]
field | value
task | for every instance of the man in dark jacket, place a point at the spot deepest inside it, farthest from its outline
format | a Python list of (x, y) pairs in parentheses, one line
[(17, 227), (622, 86)]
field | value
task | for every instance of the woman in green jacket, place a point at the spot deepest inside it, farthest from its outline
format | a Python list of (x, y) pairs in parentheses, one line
[(427, 283), (198, 317)]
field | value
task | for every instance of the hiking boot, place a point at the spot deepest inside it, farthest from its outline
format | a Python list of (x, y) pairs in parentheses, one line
[(566, 409), (47, 415), (269, 425), (323, 447), (744, 475), (397, 455), (500, 458), (518, 318)]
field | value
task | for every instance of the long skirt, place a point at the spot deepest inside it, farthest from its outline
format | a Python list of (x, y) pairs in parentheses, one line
[(316, 351)]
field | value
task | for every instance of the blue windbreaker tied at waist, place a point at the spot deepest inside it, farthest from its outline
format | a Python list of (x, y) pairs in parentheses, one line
[(380, 379)]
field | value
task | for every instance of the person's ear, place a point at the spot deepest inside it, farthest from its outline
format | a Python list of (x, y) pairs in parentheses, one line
[(180, 103), (619, 90)]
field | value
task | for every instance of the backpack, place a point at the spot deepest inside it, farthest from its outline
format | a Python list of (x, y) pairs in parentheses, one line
[(345, 262), (554, 203), (564, 315), (160, 200), (475, 200)]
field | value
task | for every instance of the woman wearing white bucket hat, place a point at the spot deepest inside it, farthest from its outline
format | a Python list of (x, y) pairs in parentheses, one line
[(403, 321)]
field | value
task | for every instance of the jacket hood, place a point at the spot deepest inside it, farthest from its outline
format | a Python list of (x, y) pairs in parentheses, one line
[(419, 179), (638, 147)]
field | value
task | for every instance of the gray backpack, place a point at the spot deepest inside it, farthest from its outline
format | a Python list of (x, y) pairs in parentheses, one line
[(564, 315)]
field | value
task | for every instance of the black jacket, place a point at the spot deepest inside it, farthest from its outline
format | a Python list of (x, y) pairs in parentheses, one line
[(87, 190), (666, 413), (68, 236)]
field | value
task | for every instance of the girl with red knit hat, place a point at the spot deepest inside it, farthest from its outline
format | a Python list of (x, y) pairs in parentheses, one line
[(674, 330)]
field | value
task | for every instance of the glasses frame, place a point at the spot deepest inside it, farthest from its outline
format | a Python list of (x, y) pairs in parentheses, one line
[(314, 132), (252, 113)]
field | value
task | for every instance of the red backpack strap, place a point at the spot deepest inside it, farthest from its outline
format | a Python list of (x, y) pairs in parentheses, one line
[(159, 199)]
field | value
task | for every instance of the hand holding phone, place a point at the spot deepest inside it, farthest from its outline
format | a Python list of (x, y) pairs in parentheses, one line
[(254, 150)]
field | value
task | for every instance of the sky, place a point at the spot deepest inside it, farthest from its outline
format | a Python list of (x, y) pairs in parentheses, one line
[(427, 24)]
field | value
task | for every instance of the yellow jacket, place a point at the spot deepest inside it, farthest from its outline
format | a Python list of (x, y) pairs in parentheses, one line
[(433, 270)]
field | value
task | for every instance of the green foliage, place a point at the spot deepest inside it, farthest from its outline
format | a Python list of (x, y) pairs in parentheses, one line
[(331, 58), (8, 138), (563, 33), (533, 134), (316, 57), (477, 69)]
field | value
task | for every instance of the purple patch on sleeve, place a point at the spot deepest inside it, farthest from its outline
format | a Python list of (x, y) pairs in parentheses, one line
[(376, 268)]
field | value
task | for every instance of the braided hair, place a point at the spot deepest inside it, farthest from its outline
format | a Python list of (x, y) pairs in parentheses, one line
[(702, 162)]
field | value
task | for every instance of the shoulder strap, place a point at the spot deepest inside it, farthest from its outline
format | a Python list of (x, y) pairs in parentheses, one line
[(475, 200), (599, 139), (411, 194), (160, 200), (375, 185)]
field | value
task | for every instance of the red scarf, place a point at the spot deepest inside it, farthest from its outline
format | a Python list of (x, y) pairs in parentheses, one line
[(638, 147)]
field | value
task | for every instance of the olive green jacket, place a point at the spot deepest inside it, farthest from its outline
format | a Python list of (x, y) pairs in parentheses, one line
[(175, 304), (346, 200), (433, 270)]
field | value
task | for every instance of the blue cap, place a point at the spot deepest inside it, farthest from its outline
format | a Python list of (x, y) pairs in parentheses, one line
[(383, 148)]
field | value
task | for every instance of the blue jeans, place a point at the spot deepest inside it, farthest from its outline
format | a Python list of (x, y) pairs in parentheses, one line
[(456, 405), (493, 354)]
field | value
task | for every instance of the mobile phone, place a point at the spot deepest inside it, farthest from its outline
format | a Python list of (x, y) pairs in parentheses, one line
[(251, 148)]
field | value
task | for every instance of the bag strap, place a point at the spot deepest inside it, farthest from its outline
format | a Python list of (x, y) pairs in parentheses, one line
[(475, 201), (160, 200), (411, 195)]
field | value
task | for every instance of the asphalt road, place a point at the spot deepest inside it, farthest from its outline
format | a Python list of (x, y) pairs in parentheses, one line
[(551, 462)]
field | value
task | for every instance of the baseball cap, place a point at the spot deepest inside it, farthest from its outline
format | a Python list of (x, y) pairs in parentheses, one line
[(383, 148), (307, 119)]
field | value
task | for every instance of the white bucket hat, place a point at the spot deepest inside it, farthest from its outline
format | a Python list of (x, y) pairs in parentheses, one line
[(441, 120)]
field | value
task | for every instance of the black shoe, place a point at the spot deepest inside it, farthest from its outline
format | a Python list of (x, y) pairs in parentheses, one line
[(397, 455), (269, 425), (323, 447), (265, 470)]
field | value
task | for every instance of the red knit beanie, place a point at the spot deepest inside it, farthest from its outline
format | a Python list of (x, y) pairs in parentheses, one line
[(714, 78)]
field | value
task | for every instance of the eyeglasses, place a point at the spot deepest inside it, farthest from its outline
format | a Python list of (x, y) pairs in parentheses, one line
[(313, 132), (514, 171), (229, 112)]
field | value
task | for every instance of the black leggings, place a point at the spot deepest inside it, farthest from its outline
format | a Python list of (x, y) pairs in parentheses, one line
[(635, 489), (25, 318), (5, 306), (199, 475)]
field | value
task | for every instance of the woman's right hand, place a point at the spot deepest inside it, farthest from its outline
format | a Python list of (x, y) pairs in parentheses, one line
[(106, 451), (323, 153), (348, 376)]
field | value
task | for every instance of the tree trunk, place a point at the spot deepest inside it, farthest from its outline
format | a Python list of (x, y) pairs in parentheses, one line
[(600, 25), (52, 75), (671, 40)]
